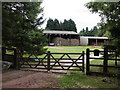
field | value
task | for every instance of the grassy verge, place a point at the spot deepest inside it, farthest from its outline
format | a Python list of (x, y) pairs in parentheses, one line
[(79, 80)]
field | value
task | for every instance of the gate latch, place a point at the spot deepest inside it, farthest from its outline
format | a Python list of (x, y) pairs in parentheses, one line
[(96, 52)]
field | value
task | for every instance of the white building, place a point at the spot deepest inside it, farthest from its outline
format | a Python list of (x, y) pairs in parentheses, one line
[(85, 40)]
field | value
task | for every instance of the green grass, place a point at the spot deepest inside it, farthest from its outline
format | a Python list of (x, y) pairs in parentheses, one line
[(64, 49), (79, 80), (70, 49)]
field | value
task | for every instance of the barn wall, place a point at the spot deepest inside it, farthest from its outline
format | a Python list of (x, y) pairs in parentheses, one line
[(65, 42), (75, 42)]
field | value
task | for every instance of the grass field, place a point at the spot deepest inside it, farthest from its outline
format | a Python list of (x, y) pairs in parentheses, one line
[(70, 49)]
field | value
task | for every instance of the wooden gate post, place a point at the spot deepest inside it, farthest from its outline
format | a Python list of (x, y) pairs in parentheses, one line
[(83, 61), (48, 61), (3, 53), (87, 61), (15, 59), (105, 60)]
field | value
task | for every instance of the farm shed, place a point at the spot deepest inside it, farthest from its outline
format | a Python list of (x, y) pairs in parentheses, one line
[(62, 38), (84, 40)]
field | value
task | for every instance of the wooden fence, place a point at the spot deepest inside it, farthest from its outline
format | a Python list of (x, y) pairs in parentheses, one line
[(54, 61), (108, 55), (64, 61)]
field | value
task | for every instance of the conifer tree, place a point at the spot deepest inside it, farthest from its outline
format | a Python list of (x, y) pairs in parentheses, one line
[(20, 23)]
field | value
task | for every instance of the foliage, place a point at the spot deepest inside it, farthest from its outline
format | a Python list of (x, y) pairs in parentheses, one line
[(20, 26), (67, 25), (110, 17), (87, 32)]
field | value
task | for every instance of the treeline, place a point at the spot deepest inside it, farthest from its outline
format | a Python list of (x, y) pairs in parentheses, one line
[(95, 31), (67, 25)]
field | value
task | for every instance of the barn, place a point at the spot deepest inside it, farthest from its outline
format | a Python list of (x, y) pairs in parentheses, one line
[(85, 40), (62, 38)]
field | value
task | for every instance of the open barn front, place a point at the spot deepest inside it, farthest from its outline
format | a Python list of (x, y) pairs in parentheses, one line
[(97, 42), (62, 38)]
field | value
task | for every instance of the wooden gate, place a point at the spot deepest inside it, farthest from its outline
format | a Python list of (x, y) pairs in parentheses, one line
[(54, 61)]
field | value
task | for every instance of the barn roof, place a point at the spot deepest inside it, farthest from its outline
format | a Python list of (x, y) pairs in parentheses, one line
[(59, 32)]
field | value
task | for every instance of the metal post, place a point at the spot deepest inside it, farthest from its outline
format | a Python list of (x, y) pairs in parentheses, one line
[(87, 61), (48, 61)]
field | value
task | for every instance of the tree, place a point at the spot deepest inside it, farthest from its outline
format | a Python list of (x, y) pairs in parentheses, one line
[(72, 25), (87, 32), (110, 17), (19, 24), (67, 25), (56, 24), (50, 24)]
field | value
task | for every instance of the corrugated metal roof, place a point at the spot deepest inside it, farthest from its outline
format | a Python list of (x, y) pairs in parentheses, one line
[(59, 32), (93, 37)]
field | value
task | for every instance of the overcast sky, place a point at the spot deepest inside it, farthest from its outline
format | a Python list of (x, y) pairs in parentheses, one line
[(70, 9)]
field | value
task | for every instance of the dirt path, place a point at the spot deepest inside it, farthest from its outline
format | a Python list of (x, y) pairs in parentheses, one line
[(27, 79)]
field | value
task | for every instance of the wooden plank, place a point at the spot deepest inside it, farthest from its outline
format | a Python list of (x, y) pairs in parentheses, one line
[(64, 66), (104, 66), (67, 69), (96, 65), (114, 59), (95, 58)]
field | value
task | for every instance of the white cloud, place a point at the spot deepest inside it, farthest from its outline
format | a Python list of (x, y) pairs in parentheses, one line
[(74, 9)]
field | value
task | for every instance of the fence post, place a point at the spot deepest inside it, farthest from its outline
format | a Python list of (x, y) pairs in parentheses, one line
[(105, 60), (83, 61), (15, 59), (3, 53), (87, 61), (48, 61)]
